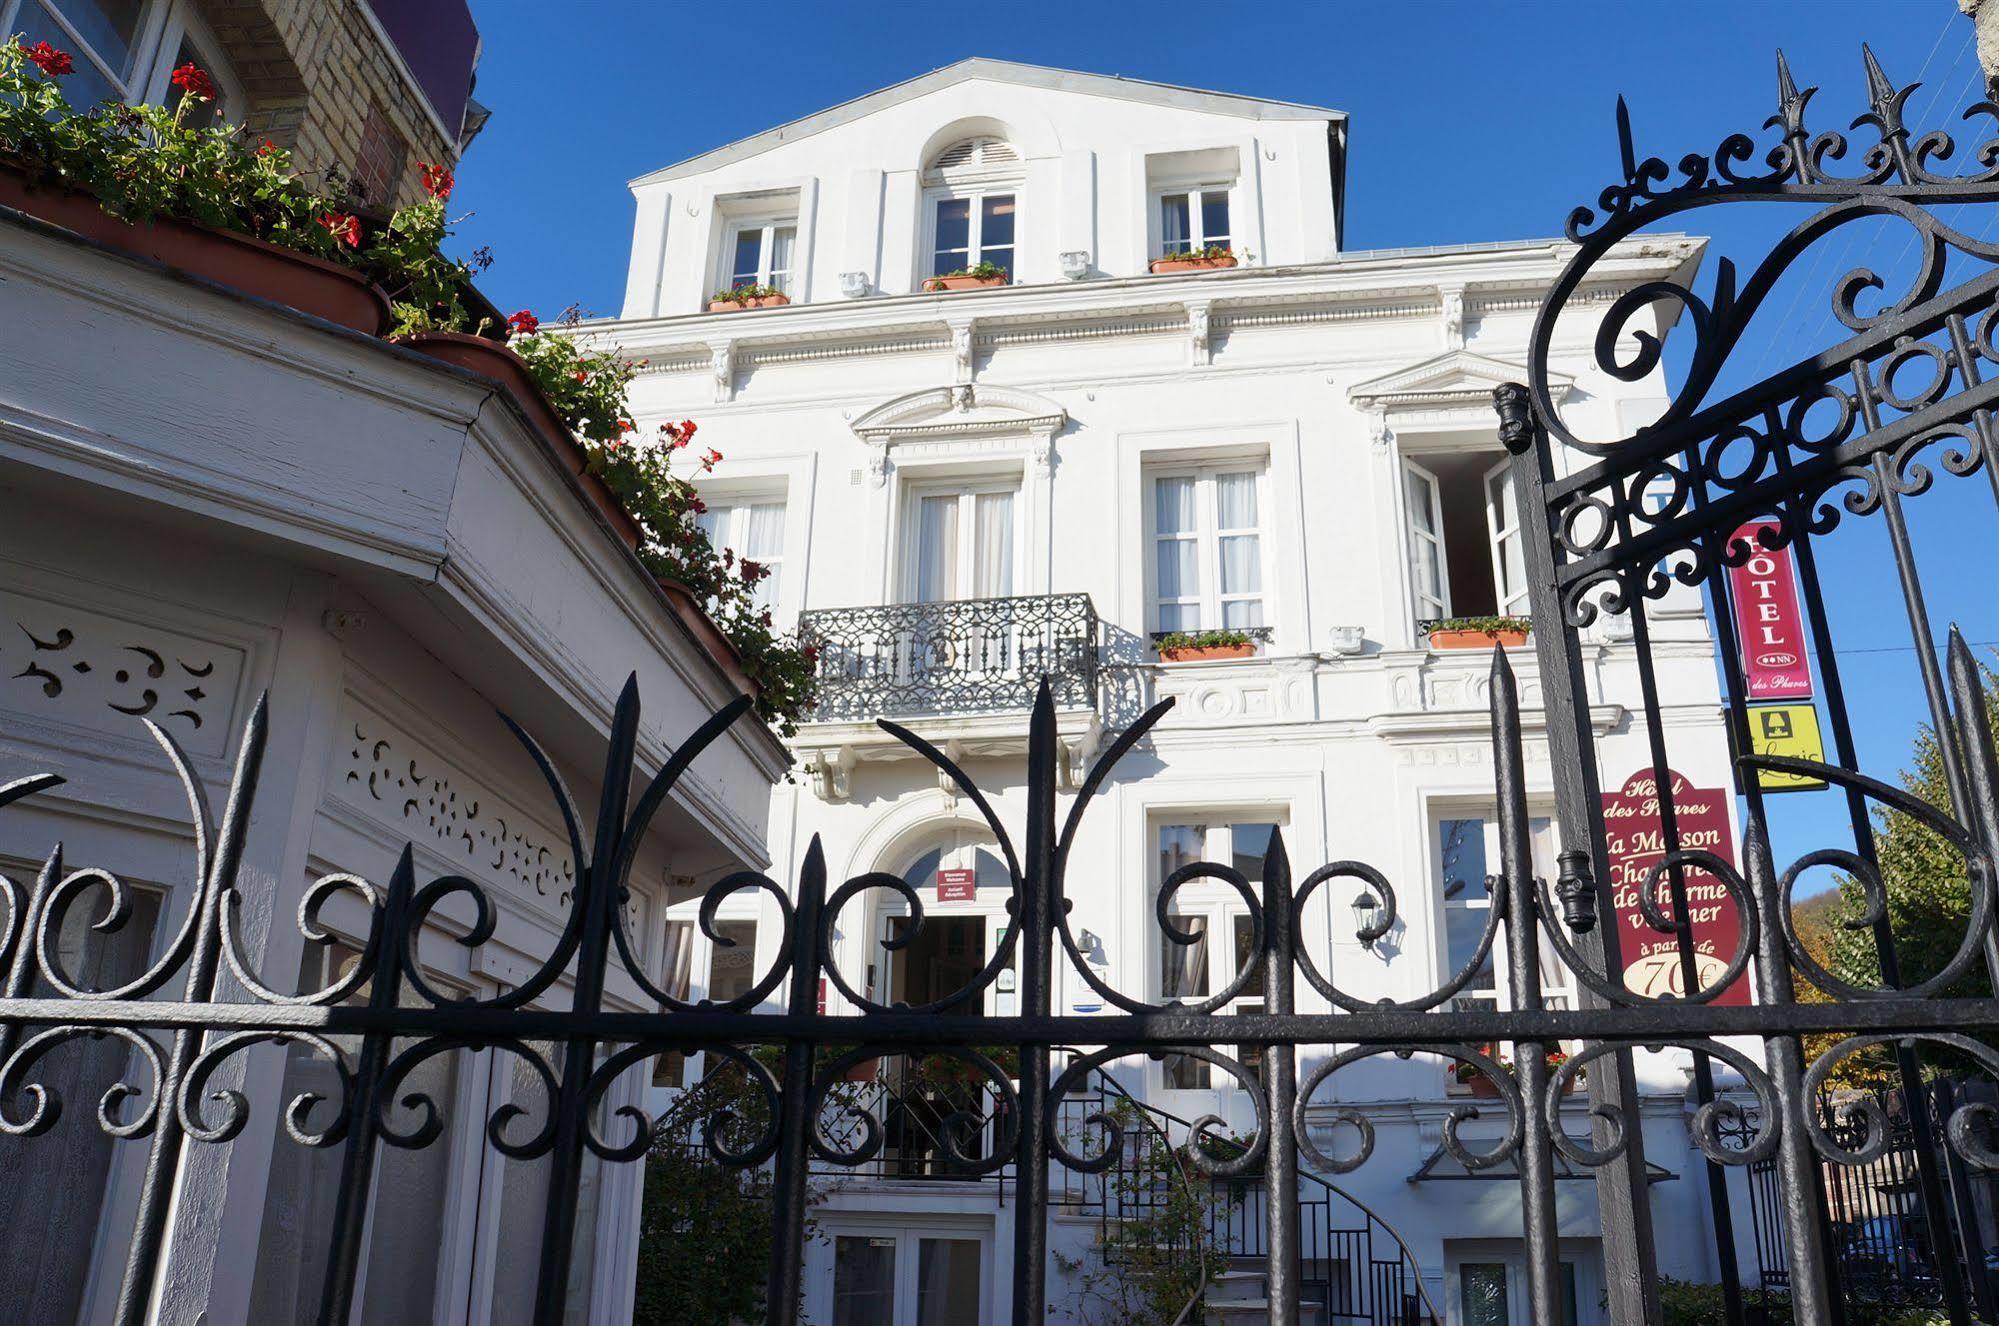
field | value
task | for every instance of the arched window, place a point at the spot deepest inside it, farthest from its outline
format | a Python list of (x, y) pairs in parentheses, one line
[(971, 190)]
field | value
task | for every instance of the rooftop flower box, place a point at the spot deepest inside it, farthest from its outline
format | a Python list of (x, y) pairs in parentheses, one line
[(740, 297), (215, 202), (1204, 646), (1211, 258), (1479, 632), (969, 278)]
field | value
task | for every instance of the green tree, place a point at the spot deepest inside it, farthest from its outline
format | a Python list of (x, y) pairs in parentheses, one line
[(1928, 892)]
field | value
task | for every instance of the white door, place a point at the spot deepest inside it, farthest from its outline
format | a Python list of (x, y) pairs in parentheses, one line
[(1509, 553), (910, 1276), (1427, 572)]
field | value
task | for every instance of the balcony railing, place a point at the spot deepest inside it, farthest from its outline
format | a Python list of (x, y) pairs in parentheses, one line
[(961, 656)]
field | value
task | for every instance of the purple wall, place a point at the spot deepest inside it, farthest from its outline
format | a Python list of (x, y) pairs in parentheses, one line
[(440, 43)]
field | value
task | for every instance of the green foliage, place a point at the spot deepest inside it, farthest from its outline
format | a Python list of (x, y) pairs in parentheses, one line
[(1203, 639), (1489, 625), (705, 1234), (1686, 1303), (1155, 1262), (146, 162), (1928, 888), (983, 270), (743, 294)]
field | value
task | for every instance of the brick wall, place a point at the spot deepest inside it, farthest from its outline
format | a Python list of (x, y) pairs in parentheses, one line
[(321, 81)]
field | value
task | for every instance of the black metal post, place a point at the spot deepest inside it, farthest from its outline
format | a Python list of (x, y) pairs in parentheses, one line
[(1519, 896), (1283, 1266), (788, 1196), (1630, 1266), (1036, 921)]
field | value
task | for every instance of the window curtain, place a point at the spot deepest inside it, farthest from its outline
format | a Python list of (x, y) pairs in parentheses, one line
[(937, 549), (993, 576), (1183, 968), (764, 543), (677, 974), (1240, 554), (1179, 555), (782, 239), (1174, 223)]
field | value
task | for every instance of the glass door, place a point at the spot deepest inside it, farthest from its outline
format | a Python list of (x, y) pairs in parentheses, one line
[(1489, 1284), (909, 1277)]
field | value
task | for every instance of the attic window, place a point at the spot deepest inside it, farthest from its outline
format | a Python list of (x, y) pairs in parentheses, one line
[(974, 161)]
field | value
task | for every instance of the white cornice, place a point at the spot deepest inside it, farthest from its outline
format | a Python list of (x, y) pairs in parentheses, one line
[(1456, 378)]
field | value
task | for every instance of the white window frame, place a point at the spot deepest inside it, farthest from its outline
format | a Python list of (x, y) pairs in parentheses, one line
[(732, 530), (967, 492), (975, 196), (1558, 983), (156, 40), (1212, 901), (768, 226), (1197, 237), (1501, 534), (1208, 536)]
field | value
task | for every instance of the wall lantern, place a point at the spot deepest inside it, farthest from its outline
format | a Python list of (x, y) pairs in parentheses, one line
[(1367, 918)]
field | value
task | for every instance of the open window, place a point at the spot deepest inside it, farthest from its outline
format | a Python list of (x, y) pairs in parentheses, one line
[(1466, 558), (127, 50)]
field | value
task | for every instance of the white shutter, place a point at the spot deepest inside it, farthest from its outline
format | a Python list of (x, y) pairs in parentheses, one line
[(1509, 553)]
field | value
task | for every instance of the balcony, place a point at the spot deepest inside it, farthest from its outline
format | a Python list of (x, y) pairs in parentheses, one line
[(961, 672)]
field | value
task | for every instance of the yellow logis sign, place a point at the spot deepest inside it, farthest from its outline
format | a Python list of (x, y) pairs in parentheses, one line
[(1786, 729)]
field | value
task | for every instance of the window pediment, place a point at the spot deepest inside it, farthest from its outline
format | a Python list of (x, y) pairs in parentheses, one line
[(1455, 381), (965, 410)]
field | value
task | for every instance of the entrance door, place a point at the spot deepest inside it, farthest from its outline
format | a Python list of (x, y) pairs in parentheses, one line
[(1488, 1283), (910, 1277), (964, 887)]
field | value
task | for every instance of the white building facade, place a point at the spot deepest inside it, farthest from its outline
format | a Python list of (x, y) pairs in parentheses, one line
[(959, 490)]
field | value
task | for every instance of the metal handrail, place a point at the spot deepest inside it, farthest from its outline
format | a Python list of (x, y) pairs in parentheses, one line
[(1153, 1115), (952, 655)]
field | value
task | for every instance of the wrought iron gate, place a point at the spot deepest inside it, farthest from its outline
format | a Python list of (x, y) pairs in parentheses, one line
[(1610, 526)]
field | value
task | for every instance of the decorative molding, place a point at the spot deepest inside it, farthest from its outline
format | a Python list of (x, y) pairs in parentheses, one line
[(62, 662), (1453, 300), (1456, 382), (963, 340), (961, 411), (722, 363), (1198, 355), (403, 784)]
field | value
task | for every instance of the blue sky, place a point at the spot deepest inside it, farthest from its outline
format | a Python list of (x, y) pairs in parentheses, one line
[(1469, 122)]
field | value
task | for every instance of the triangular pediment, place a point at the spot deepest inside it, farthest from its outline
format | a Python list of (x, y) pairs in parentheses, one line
[(1454, 379), (964, 410)]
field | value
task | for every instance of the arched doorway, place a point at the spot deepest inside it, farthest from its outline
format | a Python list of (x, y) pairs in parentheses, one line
[(963, 883)]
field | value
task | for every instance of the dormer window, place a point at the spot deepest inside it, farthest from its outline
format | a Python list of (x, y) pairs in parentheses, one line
[(971, 193), (761, 254), (1193, 220)]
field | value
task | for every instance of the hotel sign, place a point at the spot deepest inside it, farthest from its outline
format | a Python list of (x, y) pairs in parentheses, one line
[(957, 884), (1768, 622), (1637, 842)]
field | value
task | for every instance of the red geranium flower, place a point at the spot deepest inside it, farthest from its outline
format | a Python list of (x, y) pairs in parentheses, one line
[(438, 181), (194, 82), (696, 505), (342, 226), (582, 376), (267, 148), (49, 60), (687, 428), (712, 458), (523, 323)]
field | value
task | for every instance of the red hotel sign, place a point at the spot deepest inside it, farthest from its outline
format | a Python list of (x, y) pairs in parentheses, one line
[(1637, 843), (1767, 620), (958, 884)]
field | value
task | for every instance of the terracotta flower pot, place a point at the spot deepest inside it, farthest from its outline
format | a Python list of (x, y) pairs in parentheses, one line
[(864, 1071), (1482, 1087), (735, 305), (296, 280), (496, 361), (937, 283), (1455, 639), (1161, 266), (1201, 653), (694, 616)]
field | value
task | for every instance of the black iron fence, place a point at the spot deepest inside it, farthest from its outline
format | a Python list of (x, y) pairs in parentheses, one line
[(1608, 527), (956, 656)]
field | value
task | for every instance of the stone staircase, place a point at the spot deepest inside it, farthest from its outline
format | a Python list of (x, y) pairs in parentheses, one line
[(1239, 1296)]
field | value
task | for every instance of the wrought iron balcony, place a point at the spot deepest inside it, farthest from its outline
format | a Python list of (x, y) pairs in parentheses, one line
[(963, 656)]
